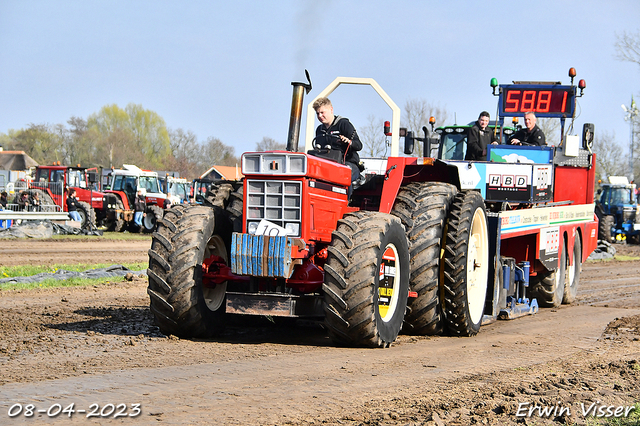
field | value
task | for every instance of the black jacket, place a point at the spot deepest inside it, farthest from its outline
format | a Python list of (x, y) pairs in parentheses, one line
[(72, 204), (533, 137), (330, 136), (477, 141), (140, 203)]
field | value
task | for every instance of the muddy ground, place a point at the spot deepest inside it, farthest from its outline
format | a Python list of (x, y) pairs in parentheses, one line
[(98, 345)]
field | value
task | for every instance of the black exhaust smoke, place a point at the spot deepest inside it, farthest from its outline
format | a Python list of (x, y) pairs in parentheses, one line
[(296, 112)]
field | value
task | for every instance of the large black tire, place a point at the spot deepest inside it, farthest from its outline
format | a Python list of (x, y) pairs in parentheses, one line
[(605, 227), (363, 307), (466, 265), (423, 209), (572, 279), (548, 287), (151, 219), (114, 222), (87, 214), (235, 208), (184, 239), (46, 202)]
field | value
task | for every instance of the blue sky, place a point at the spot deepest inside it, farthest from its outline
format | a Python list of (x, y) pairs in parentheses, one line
[(224, 68)]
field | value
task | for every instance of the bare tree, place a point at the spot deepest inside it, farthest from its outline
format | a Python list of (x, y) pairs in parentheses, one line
[(268, 144), (217, 153), (551, 129), (417, 113), (628, 47), (373, 139), (185, 152), (609, 156)]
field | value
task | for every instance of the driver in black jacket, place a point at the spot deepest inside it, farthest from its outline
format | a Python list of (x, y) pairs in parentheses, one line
[(531, 134), (337, 133)]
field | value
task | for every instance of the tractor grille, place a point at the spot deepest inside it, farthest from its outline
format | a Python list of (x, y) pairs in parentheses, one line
[(628, 214), (279, 202)]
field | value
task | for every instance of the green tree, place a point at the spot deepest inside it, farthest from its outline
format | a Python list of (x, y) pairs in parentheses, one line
[(111, 123), (41, 141), (150, 134)]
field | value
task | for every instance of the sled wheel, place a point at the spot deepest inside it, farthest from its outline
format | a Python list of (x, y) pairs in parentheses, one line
[(573, 273), (423, 209), (466, 265), (185, 238), (366, 280)]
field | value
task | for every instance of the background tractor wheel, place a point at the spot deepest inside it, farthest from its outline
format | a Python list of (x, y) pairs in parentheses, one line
[(46, 202), (605, 229), (423, 209), (549, 287), (466, 265), (573, 273), (179, 302), (87, 214), (114, 221), (153, 216), (366, 280)]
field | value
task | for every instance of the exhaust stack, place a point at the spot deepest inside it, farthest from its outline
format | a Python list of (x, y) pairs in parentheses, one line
[(296, 112)]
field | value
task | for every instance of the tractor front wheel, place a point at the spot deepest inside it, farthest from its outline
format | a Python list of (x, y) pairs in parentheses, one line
[(184, 240), (366, 280), (605, 229), (150, 220)]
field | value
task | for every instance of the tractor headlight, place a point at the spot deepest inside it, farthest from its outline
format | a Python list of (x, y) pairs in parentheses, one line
[(293, 229), (252, 227)]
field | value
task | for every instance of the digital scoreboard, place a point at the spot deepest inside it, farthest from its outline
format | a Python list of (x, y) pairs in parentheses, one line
[(543, 99)]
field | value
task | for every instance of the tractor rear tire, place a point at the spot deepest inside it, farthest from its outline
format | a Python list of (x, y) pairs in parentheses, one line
[(605, 228), (87, 214), (466, 265), (184, 239), (46, 202), (151, 219), (548, 288), (573, 273), (366, 280), (423, 209)]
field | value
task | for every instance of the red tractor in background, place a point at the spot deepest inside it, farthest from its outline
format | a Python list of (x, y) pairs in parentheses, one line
[(425, 245), (52, 184), (123, 185)]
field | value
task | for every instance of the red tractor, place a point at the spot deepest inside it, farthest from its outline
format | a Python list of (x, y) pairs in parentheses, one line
[(123, 186), (52, 184), (425, 245)]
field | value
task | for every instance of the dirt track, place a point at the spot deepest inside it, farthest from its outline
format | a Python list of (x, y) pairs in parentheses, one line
[(99, 345)]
